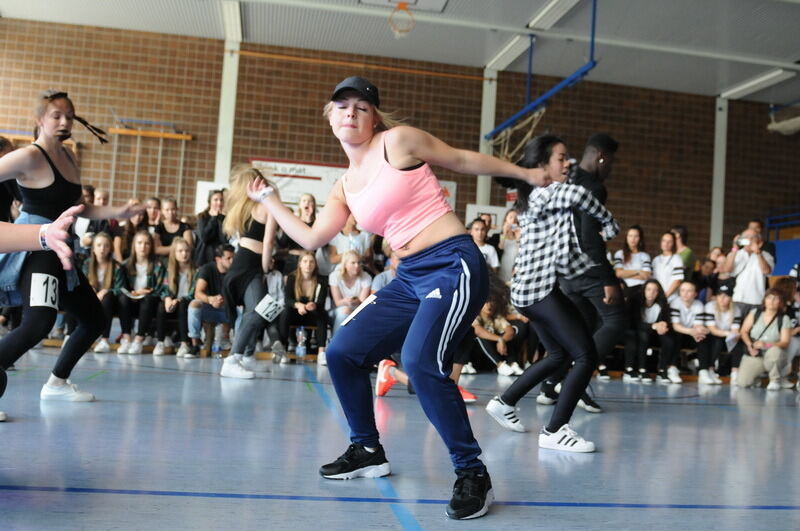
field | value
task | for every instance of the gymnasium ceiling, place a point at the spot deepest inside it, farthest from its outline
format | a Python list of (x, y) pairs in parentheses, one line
[(693, 46)]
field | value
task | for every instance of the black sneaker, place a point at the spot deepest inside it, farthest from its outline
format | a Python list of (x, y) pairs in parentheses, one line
[(588, 404), (602, 375), (357, 462), (547, 394), (472, 494), (663, 378)]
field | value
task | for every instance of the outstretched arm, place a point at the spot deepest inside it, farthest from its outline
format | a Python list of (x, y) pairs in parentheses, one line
[(328, 223), (28, 237), (411, 142)]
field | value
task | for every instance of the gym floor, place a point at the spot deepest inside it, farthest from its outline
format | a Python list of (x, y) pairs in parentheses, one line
[(171, 445)]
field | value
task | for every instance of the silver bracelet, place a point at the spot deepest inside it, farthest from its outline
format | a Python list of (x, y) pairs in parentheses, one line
[(43, 237)]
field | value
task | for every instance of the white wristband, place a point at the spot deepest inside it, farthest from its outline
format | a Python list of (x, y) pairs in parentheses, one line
[(43, 237), (264, 193)]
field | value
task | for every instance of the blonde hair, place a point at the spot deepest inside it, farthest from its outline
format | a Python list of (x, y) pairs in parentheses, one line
[(346, 257), (298, 276), (313, 212), (386, 120), (174, 268), (108, 279), (240, 206)]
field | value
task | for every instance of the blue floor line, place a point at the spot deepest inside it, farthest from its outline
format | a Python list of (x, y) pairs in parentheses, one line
[(385, 487), (392, 500)]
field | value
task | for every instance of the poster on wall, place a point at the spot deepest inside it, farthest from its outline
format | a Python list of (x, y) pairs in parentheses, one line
[(295, 178), (449, 188)]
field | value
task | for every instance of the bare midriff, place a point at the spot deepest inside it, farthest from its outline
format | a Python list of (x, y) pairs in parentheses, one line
[(443, 228)]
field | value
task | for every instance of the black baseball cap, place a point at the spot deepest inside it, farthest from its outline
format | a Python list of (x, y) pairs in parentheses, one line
[(360, 85), (726, 287)]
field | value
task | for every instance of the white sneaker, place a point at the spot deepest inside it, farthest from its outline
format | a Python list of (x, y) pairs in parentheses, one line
[(3, 416), (232, 368), (517, 369), (645, 378), (158, 350), (136, 347), (734, 375), (321, 358), (785, 384), (183, 350), (703, 377), (68, 392), (505, 415), (527, 364), (102, 347), (149, 341), (124, 346), (714, 376), (674, 375), (629, 376), (773, 385), (168, 343), (504, 369), (468, 369), (278, 351), (249, 363), (565, 439)]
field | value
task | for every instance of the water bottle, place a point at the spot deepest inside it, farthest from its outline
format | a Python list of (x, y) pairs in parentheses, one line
[(301, 343)]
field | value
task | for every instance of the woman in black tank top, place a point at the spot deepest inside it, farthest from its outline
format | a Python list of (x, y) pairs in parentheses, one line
[(49, 183)]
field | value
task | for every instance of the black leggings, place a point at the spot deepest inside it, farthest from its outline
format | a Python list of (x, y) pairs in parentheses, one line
[(559, 325), (639, 339), (290, 317), (144, 308), (180, 314), (37, 321)]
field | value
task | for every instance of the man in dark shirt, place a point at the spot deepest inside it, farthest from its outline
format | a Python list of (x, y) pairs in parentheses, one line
[(597, 292), (208, 304)]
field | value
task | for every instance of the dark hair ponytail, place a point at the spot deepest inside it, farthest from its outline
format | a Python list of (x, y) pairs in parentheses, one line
[(536, 154)]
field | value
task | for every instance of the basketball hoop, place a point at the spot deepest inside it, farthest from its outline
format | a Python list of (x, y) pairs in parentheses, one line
[(401, 21), (509, 142)]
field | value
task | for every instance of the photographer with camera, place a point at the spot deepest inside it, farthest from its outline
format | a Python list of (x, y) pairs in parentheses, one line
[(750, 265)]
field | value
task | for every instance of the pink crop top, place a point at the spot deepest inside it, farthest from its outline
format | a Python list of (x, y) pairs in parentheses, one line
[(398, 204)]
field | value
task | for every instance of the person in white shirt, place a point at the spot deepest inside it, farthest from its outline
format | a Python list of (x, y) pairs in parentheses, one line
[(668, 267), (687, 315), (509, 244), (722, 318), (350, 238), (750, 265), (478, 231), (631, 263), (350, 286), (766, 332)]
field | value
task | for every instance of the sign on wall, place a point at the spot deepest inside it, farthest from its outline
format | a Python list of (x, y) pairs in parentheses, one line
[(295, 178), (449, 189)]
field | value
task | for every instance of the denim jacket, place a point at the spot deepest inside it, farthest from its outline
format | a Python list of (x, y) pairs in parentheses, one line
[(11, 265)]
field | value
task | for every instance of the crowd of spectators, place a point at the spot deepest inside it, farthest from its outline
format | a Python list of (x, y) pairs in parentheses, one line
[(161, 274)]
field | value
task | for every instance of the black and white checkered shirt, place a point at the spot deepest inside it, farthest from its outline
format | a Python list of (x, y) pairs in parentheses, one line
[(549, 245)]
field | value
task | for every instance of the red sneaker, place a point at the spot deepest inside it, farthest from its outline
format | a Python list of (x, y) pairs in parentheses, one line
[(468, 397), (385, 381)]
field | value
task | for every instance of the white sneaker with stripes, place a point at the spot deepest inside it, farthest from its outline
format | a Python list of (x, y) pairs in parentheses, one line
[(505, 415), (565, 439)]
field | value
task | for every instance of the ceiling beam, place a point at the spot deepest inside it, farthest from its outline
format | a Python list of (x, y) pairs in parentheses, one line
[(443, 20), (756, 84)]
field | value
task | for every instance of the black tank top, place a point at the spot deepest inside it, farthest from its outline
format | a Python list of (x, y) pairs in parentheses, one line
[(52, 200), (255, 231)]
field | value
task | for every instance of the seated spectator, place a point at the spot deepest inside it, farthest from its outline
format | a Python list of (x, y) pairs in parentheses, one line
[(177, 292), (351, 239), (791, 295), (305, 294), (350, 286), (143, 276), (153, 214), (85, 228), (478, 230), (649, 315), (723, 321), (632, 264), (171, 227), (766, 333), (87, 193), (750, 265), (123, 239), (105, 277), (289, 250), (668, 267), (509, 244), (688, 326), (494, 239), (208, 305), (382, 279), (683, 250), (209, 229), (706, 280)]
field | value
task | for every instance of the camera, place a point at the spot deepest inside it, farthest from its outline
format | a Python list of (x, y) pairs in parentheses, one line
[(743, 242)]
